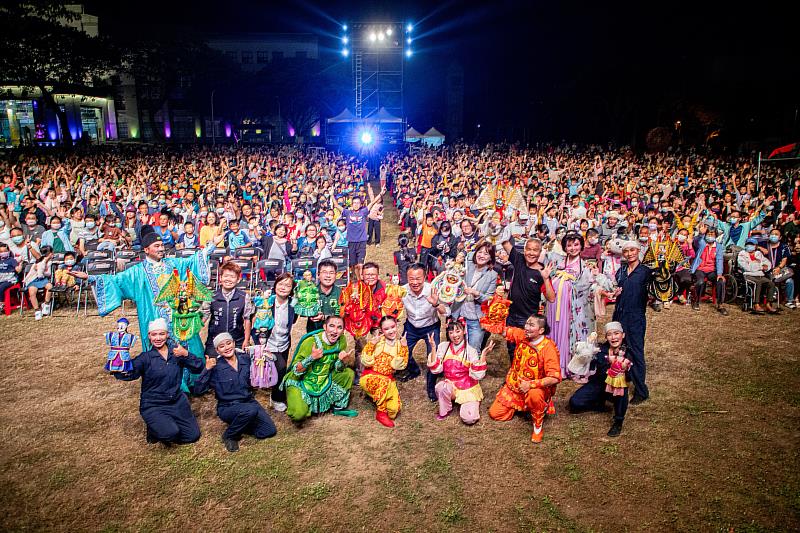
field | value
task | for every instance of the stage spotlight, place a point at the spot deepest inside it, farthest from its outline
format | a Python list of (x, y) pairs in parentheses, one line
[(380, 36), (344, 27), (408, 53), (388, 31), (373, 37), (345, 52), (344, 39), (409, 28), (366, 138), (408, 40)]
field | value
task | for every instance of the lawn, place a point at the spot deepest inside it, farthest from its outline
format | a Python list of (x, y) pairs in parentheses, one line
[(716, 447)]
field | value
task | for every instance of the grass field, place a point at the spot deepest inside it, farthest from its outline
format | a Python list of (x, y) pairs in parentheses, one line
[(716, 447)]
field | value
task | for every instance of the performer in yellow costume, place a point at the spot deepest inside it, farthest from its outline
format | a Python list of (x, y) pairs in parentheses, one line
[(381, 357)]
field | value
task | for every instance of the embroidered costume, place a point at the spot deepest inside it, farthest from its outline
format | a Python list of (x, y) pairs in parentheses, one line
[(380, 359), (120, 343), (462, 370), (495, 312), (616, 381)]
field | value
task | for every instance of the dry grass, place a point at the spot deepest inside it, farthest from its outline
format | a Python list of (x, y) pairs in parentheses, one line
[(74, 455)]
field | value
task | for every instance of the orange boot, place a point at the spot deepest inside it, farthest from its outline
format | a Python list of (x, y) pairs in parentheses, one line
[(536, 436), (551, 408)]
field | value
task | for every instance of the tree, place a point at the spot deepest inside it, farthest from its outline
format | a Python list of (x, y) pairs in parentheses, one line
[(42, 52)]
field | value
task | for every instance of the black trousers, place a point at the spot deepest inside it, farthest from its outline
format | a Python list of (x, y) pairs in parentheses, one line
[(700, 278), (172, 423), (373, 231), (246, 418), (413, 336), (592, 396), (281, 360)]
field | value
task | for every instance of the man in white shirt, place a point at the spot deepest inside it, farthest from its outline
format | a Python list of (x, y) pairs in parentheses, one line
[(422, 318)]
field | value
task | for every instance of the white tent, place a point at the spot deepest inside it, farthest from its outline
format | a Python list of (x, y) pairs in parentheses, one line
[(344, 117), (413, 136), (433, 137), (382, 116)]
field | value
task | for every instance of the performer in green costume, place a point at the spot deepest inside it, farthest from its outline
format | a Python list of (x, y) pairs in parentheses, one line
[(318, 378)]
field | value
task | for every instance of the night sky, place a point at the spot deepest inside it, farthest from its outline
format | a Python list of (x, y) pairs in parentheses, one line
[(549, 70)]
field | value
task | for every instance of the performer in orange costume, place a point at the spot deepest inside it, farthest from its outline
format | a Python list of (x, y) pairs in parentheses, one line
[(531, 381), (381, 358)]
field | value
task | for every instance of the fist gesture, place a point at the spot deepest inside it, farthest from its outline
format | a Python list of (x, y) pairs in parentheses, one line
[(179, 351), (316, 353), (524, 386), (211, 362), (404, 341)]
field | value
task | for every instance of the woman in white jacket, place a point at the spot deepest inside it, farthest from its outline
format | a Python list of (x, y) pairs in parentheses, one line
[(755, 266)]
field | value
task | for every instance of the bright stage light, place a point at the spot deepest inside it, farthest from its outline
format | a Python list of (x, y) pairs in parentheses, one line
[(344, 27), (380, 36), (408, 53), (344, 39), (408, 40), (409, 28), (345, 52), (373, 37), (388, 31), (366, 138)]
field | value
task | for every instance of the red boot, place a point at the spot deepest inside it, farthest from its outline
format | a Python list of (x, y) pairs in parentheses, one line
[(384, 419), (551, 408)]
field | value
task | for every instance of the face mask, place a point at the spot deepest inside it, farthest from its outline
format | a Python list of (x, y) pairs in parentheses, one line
[(55, 227), (652, 227), (750, 248), (681, 238), (733, 220), (644, 239), (445, 234), (774, 238), (710, 239), (118, 224), (220, 210), (18, 239), (69, 262), (593, 241), (4, 255), (31, 224), (2, 224), (90, 225)]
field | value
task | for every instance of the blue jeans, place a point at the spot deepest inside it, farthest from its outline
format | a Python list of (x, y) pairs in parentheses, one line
[(414, 335), (789, 289), (474, 334)]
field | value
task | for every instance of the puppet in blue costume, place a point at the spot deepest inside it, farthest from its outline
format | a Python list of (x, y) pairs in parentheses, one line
[(120, 343), (142, 283)]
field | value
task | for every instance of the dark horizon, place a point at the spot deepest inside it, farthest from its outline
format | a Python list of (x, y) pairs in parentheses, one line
[(536, 71)]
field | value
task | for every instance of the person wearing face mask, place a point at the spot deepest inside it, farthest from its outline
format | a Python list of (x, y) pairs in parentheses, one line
[(444, 247), (708, 264), (735, 232), (23, 250), (592, 251), (32, 230), (56, 237), (9, 272), (755, 268), (683, 273), (779, 256)]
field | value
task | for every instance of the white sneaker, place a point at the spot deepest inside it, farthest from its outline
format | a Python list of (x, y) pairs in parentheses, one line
[(378, 245), (279, 406), (46, 308), (38, 315)]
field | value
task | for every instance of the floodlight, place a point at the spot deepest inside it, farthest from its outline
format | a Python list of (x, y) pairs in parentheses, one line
[(345, 52), (408, 53), (408, 40), (380, 36), (373, 37), (344, 27), (388, 31), (366, 138), (409, 28), (344, 39)]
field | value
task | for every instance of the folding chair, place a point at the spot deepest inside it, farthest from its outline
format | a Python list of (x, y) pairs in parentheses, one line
[(125, 258), (96, 268), (99, 255), (252, 253), (247, 273), (218, 254), (186, 252), (342, 270), (302, 264), (269, 269)]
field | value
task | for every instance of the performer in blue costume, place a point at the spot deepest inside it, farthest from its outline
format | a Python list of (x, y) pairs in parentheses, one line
[(142, 283)]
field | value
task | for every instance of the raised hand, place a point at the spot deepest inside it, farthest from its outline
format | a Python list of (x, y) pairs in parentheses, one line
[(404, 340), (486, 351), (316, 353), (433, 299), (547, 270), (211, 362)]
